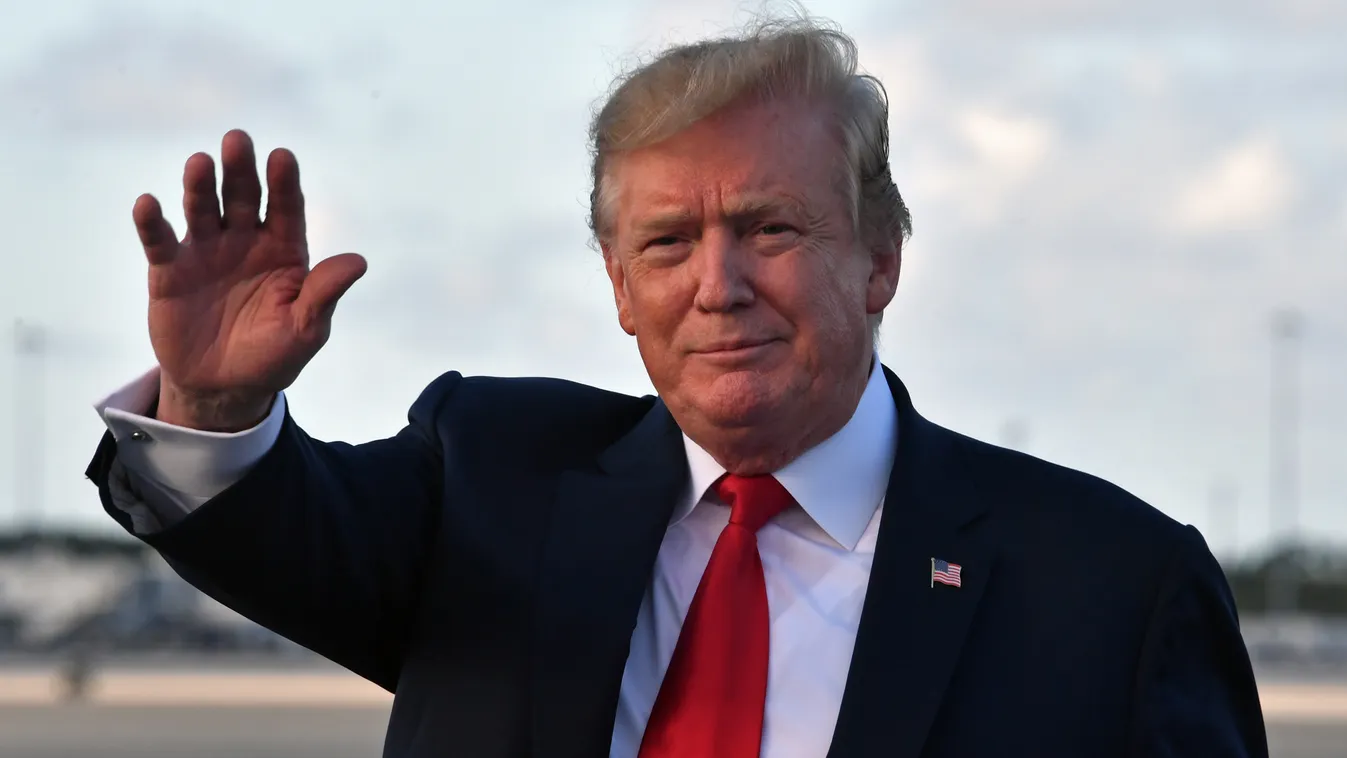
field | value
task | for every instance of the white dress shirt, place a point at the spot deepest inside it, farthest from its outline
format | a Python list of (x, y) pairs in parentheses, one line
[(816, 555)]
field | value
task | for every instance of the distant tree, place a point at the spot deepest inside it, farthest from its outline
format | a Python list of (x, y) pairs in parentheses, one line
[(78, 544), (1320, 575)]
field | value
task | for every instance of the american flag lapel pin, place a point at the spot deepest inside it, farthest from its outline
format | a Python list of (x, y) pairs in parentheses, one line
[(946, 573)]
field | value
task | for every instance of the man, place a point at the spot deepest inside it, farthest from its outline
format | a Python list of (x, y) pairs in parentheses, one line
[(777, 556)]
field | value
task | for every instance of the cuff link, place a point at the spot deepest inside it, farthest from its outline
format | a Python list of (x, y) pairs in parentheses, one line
[(140, 436)]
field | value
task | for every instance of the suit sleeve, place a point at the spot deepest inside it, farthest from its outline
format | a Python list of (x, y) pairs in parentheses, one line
[(324, 543), (1195, 693)]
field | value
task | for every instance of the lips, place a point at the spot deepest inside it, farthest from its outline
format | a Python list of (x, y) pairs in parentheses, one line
[(728, 346)]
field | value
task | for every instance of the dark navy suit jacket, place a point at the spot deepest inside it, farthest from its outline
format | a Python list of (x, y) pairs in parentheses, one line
[(487, 563)]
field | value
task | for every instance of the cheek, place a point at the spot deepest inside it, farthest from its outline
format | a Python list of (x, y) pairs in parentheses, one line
[(657, 300), (823, 301)]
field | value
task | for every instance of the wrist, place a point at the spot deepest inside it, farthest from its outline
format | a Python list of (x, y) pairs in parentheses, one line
[(212, 411)]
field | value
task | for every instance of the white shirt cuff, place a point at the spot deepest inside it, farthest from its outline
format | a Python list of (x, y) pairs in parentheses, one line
[(193, 464)]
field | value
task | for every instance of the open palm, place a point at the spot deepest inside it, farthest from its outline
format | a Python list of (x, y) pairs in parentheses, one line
[(234, 308)]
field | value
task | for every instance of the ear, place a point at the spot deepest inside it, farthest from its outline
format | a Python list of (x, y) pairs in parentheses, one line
[(886, 261), (618, 277)]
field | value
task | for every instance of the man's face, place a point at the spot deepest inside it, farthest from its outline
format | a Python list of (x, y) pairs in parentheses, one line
[(736, 266)]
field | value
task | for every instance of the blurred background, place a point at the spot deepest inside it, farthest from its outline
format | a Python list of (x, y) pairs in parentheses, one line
[(1130, 257)]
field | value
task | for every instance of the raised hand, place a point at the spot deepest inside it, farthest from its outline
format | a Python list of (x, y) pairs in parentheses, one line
[(235, 311)]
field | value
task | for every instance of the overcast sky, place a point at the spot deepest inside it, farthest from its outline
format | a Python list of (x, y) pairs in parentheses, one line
[(1109, 200)]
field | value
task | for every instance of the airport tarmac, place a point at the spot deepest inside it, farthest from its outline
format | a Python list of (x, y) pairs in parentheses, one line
[(318, 711), (67, 731)]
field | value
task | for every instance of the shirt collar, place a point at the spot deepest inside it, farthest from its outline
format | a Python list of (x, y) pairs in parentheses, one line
[(839, 482)]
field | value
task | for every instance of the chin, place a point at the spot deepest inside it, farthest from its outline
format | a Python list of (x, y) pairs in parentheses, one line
[(739, 399)]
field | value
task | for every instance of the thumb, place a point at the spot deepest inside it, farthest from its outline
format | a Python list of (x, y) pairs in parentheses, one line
[(324, 286)]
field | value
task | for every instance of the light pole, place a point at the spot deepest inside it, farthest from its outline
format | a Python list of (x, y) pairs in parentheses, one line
[(1223, 503), (1284, 457), (30, 351)]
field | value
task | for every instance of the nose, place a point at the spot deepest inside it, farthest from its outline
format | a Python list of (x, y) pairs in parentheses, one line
[(723, 269)]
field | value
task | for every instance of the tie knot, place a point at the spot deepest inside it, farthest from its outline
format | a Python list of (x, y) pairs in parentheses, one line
[(753, 500)]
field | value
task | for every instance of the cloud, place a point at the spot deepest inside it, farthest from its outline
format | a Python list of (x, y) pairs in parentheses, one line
[(435, 292), (1108, 201), (1009, 144), (1075, 171), (1247, 187), (126, 77), (1152, 15)]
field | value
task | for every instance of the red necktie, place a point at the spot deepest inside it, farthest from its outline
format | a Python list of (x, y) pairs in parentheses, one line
[(710, 703)]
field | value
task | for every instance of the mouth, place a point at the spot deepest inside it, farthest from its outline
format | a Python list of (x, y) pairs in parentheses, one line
[(734, 348)]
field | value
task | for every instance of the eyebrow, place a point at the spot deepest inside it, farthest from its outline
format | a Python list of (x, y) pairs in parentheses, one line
[(749, 206), (663, 221)]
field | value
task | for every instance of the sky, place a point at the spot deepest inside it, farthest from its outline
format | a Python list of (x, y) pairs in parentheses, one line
[(1110, 201)]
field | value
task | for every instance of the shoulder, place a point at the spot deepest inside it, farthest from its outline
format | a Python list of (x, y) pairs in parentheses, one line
[(1088, 542), (1063, 528), (1023, 487), (540, 419)]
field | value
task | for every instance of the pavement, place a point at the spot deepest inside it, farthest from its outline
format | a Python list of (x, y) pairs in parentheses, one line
[(84, 731), (203, 712), (90, 731)]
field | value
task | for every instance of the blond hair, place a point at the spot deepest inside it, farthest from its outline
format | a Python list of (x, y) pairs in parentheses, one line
[(774, 58)]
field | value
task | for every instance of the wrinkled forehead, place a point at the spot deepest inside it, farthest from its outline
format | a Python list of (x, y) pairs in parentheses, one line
[(752, 159)]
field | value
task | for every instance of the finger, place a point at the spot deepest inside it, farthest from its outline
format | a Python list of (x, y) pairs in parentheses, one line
[(285, 199), (242, 191), (200, 203), (323, 287), (156, 234)]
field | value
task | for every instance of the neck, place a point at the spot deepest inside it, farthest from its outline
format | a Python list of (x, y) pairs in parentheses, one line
[(763, 449)]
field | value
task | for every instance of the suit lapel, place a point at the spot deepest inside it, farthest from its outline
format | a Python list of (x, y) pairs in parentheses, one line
[(606, 528), (911, 632)]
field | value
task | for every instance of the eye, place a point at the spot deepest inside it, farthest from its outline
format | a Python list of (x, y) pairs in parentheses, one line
[(775, 230), (664, 241)]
